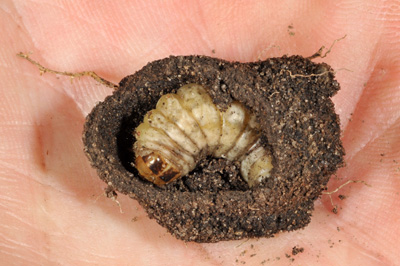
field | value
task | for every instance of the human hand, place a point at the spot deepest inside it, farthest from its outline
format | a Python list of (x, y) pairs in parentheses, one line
[(52, 206)]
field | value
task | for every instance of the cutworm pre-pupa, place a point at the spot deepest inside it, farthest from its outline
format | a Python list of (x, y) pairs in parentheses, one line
[(187, 126), (296, 120)]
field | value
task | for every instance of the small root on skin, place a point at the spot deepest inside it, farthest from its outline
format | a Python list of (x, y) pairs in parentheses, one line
[(110, 193), (319, 52), (329, 193), (72, 75)]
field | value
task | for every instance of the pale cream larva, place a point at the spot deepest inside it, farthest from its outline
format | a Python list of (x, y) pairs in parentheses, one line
[(187, 126)]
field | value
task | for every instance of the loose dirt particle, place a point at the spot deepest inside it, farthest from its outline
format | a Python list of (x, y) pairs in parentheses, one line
[(296, 250), (342, 197)]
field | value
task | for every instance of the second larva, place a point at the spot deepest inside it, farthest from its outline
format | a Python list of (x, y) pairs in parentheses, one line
[(187, 126)]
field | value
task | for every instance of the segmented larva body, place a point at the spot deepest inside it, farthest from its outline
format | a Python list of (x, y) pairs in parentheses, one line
[(187, 126)]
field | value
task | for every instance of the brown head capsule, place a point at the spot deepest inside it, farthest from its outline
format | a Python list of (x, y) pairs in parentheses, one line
[(155, 168)]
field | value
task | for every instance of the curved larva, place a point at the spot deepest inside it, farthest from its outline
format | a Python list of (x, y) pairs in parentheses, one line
[(187, 126)]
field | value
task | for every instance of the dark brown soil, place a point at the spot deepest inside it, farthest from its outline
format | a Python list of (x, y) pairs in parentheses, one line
[(291, 97)]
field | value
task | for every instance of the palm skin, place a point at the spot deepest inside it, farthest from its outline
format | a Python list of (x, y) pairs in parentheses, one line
[(52, 208)]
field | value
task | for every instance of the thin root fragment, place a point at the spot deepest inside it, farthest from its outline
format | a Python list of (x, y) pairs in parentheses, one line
[(316, 75), (72, 75), (308, 76), (319, 53), (109, 192), (329, 193)]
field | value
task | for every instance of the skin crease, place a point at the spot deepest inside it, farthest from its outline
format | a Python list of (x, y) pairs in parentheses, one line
[(51, 201)]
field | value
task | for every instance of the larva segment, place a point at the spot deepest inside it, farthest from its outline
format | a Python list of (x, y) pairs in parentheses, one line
[(197, 101), (234, 121), (158, 120), (149, 135), (187, 126), (256, 166), (246, 140), (170, 106)]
